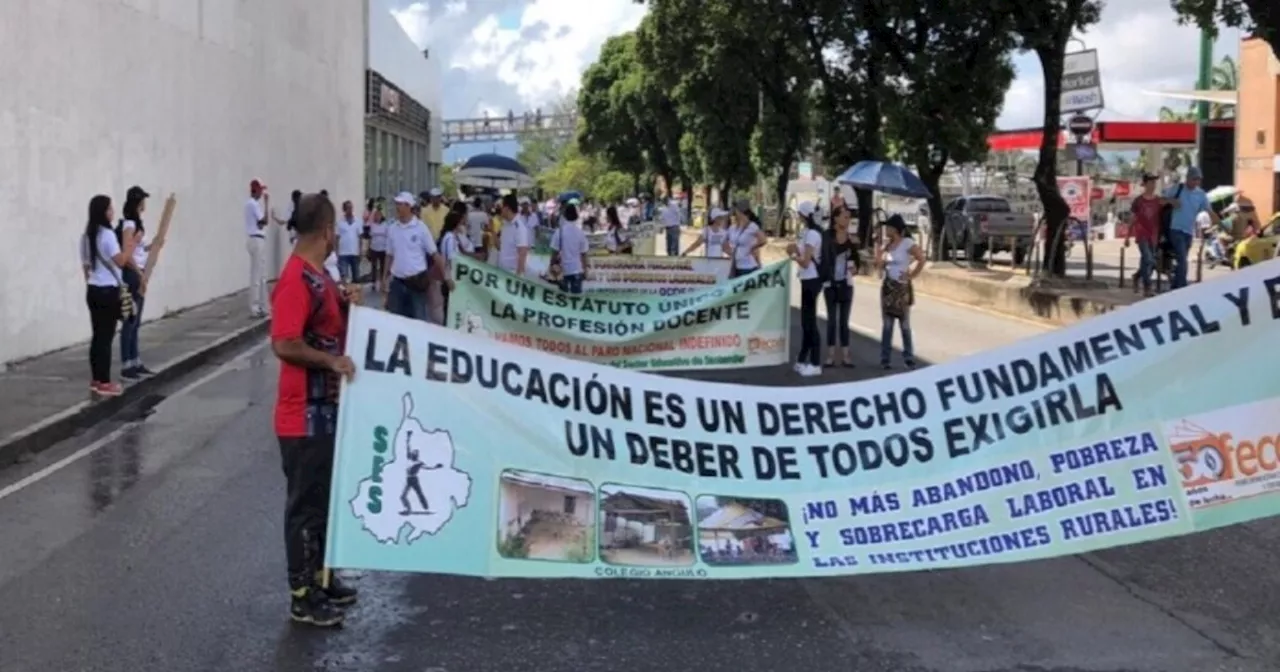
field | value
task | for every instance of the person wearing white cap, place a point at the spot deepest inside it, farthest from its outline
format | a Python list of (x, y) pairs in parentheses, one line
[(411, 253), (527, 217), (713, 236), (434, 211), (807, 256)]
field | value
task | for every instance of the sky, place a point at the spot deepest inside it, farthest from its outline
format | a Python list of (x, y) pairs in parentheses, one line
[(502, 55)]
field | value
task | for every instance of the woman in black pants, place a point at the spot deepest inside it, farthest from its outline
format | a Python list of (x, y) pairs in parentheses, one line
[(838, 294), (807, 255), (102, 256)]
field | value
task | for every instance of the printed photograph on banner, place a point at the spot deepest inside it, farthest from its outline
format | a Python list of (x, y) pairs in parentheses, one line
[(546, 517), (739, 531), (645, 527), (1229, 454)]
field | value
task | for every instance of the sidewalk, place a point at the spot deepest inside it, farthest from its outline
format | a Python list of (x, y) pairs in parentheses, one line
[(996, 289), (45, 399)]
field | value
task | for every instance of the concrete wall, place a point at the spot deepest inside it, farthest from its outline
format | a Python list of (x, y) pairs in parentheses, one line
[(394, 54), (194, 97), (518, 502), (1258, 125)]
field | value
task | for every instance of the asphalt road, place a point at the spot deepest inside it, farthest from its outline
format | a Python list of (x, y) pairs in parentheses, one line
[(158, 548)]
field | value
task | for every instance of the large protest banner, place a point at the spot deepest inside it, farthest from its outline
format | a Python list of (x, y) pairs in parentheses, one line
[(664, 276), (467, 456), (740, 323)]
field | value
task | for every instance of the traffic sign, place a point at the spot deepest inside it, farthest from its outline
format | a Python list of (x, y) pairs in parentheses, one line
[(1081, 85), (1080, 125)]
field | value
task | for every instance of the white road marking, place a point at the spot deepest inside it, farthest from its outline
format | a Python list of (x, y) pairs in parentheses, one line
[(97, 445)]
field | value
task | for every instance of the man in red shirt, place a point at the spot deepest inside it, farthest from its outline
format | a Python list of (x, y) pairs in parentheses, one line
[(308, 327), (1145, 229)]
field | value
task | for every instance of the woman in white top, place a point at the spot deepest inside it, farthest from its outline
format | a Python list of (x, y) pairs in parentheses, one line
[(745, 239), (900, 260), (842, 245), (616, 240), (101, 256), (454, 244), (807, 255), (135, 204), (378, 246), (571, 246), (713, 236)]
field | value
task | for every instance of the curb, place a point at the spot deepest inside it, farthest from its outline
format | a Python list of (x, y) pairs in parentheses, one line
[(28, 441)]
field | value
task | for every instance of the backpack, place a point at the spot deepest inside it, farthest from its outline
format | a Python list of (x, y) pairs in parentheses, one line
[(1165, 258)]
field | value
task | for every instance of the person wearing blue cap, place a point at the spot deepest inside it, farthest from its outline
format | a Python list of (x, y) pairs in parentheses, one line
[(1189, 200)]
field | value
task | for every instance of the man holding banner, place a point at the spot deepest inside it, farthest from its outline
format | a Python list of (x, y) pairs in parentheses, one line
[(308, 330)]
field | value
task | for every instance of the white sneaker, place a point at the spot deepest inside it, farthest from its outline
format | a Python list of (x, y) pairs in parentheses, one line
[(798, 367), (810, 371)]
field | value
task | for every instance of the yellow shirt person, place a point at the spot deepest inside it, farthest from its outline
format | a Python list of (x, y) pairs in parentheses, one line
[(433, 214)]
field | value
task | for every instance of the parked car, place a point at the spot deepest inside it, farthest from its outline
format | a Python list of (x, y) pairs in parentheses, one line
[(983, 224), (1259, 248)]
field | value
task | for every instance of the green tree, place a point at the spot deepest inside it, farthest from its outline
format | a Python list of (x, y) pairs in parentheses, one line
[(448, 184), (716, 98), (1260, 17), (606, 128), (940, 112), (1046, 27), (540, 151), (850, 66)]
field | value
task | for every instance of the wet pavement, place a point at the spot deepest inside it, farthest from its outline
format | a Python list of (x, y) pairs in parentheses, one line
[(153, 542), (46, 399)]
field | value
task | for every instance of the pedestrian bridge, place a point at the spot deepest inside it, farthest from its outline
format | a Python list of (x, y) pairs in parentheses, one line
[(514, 126)]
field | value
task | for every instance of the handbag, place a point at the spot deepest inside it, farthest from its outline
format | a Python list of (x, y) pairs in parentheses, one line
[(127, 309), (896, 297)]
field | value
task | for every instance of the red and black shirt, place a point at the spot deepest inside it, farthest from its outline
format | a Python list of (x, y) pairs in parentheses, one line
[(306, 304)]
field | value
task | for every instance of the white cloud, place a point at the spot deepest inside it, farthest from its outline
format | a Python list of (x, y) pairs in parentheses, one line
[(495, 64), (1140, 47)]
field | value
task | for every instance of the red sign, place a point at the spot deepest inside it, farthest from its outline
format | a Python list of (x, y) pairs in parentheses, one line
[(1096, 194), (1123, 189), (1076, 192)]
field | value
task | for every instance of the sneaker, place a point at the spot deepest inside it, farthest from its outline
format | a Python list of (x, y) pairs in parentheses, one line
[(809, 371), (798, 367), (130, 373), (311, 606), (142, 370), (338, 592), (108, 389), (910, 365)]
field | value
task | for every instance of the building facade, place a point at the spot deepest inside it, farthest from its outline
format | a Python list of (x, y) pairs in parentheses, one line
[(1258, 126), (402, 146), (182, 97)]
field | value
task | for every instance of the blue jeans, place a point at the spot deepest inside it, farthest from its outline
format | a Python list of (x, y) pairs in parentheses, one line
[(349, 267), (673, 241), (403, 301), (1146, 262), (129, 356), (1181, 242), (886, 338), (571, 284)]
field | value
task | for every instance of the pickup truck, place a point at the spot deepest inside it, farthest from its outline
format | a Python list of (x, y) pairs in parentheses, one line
[(989, 224)]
